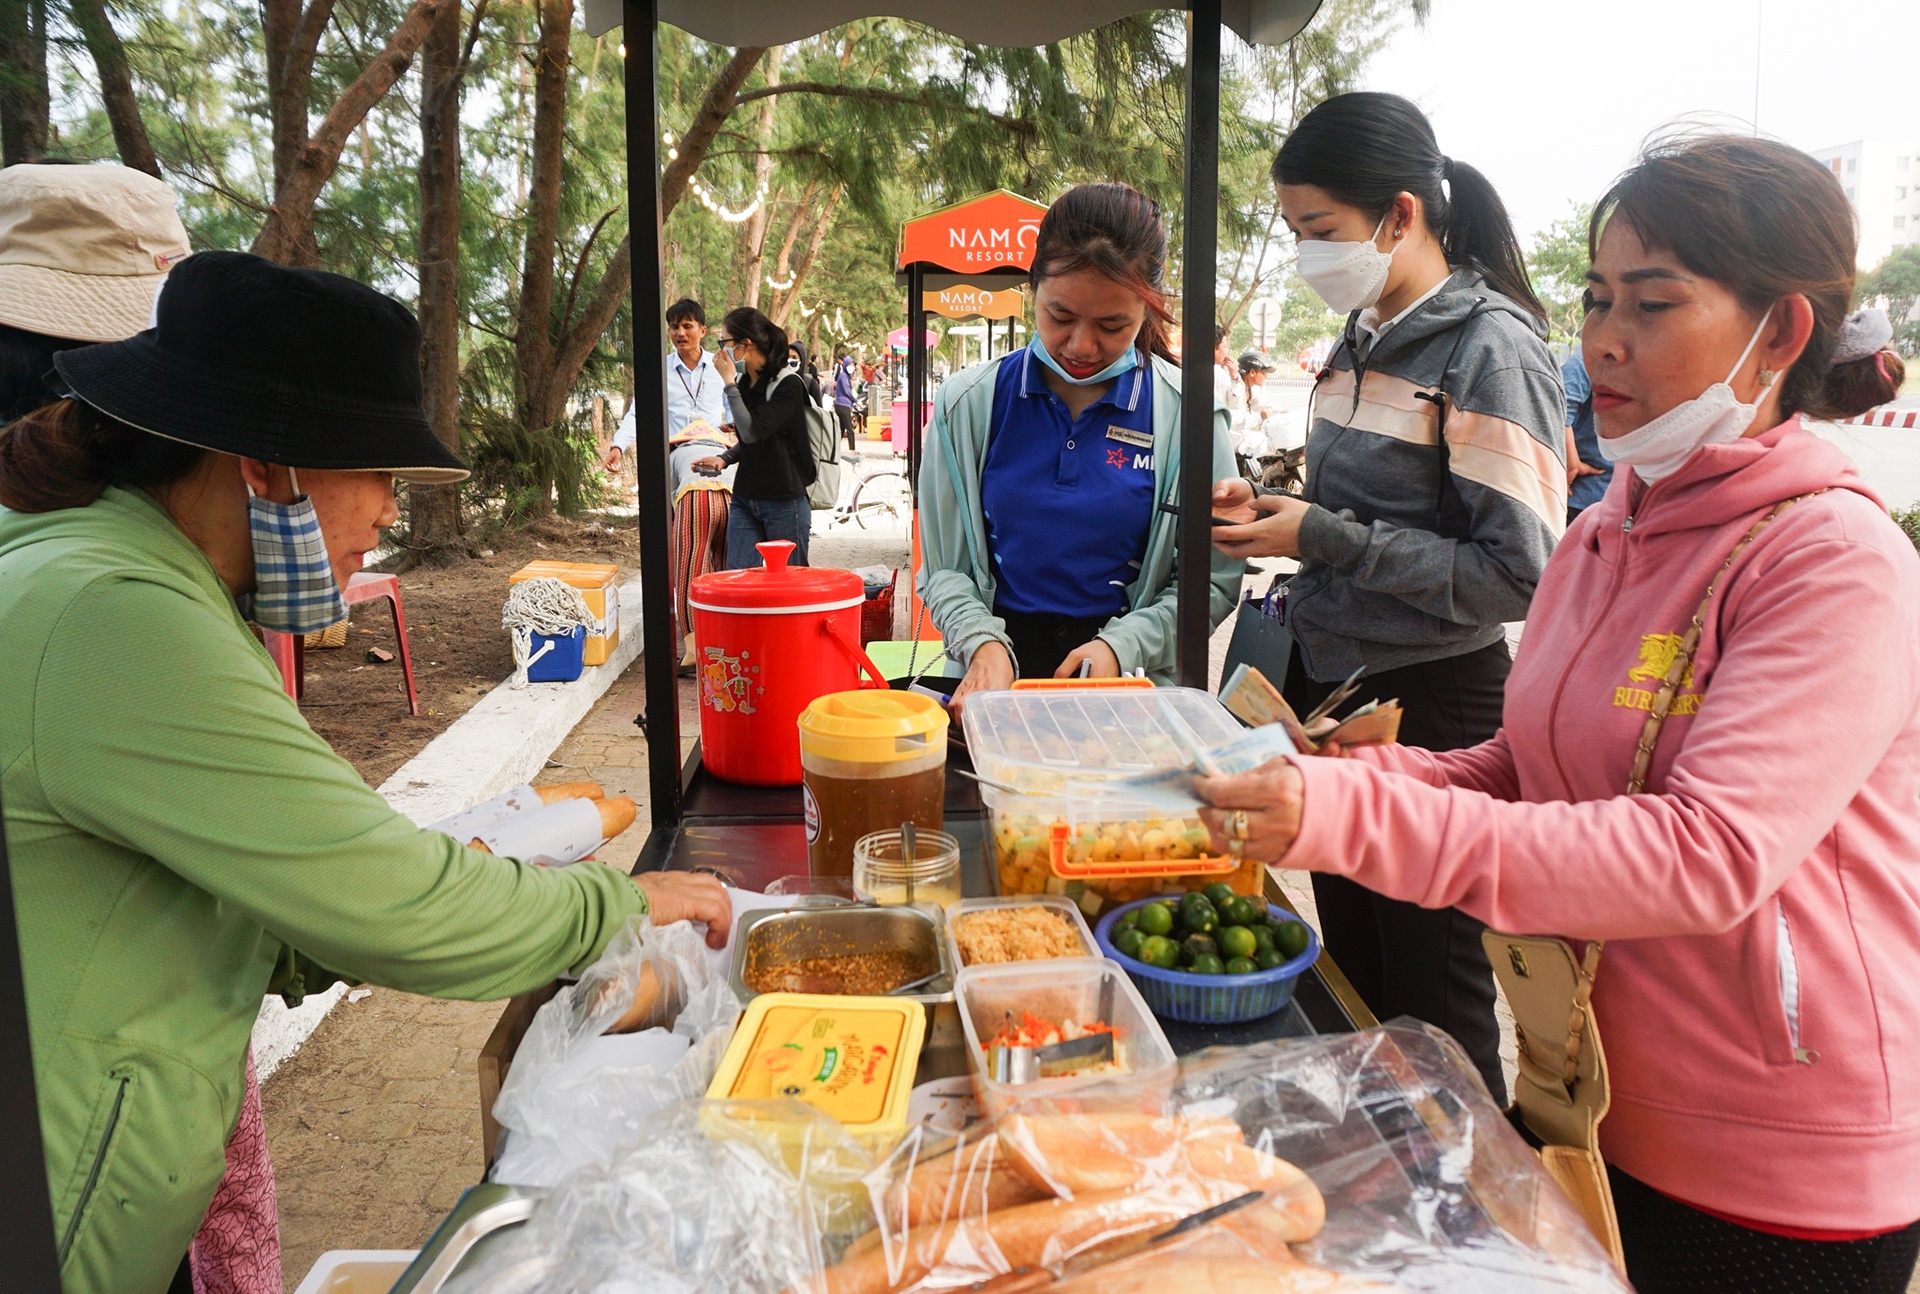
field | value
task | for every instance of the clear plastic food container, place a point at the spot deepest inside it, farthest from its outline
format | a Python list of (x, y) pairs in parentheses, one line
[(1082, 990), (1055, 745), (1067, 909)]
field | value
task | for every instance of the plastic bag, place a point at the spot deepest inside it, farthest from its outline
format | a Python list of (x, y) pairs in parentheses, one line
[(1334, 1165), (1378, 1159), (714, 1196), (575, 1093)]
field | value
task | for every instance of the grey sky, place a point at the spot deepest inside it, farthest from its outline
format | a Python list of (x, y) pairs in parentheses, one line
[(1551, 98)]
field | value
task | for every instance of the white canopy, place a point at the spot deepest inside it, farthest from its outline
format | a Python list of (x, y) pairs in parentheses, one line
[(984, 22)]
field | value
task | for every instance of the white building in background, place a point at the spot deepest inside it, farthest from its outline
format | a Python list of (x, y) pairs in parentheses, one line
[(1881, 178)]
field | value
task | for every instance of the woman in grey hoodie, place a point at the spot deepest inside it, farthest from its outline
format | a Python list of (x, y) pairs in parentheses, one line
[(1435, 493)]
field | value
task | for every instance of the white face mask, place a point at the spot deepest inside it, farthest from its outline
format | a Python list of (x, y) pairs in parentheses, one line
[(1714, 417), (1348, 276)]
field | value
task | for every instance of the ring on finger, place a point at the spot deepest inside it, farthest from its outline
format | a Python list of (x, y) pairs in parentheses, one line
[(1237, 826)]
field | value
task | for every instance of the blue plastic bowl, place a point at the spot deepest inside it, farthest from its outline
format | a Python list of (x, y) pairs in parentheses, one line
[(1210, 999)]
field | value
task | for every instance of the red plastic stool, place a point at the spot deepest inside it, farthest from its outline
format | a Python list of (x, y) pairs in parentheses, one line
[(289, 651)]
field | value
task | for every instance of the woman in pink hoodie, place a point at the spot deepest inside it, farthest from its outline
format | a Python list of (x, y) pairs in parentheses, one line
[(1760, 1001)]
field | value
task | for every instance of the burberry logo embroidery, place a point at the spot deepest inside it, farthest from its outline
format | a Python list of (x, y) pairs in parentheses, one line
[(1656, 658)]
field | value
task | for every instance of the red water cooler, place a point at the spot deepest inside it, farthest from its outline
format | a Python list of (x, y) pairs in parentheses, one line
[(766, 643)]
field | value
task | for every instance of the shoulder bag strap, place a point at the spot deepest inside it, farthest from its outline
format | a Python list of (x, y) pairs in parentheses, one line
[(1643, 754)]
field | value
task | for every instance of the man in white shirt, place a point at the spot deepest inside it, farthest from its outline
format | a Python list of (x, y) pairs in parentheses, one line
[(696, 410)]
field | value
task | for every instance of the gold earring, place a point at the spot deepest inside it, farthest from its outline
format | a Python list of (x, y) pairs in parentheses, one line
[(1766, 377)]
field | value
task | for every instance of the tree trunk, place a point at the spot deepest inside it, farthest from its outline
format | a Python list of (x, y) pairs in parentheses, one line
[(24, 110), (435, 509), (753, 233), (116, 85), (792, 297), (782, 265), (539, 396), (303, 162), (715, 106)]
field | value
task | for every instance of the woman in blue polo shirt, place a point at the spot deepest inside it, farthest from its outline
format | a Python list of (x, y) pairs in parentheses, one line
[(1044, 545)]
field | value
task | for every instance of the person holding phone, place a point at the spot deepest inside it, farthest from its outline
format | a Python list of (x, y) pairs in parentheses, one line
[(768, 400), (1045, 547), (1435, 492)]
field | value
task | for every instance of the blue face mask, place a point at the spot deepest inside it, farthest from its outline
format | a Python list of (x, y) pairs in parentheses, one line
[(1129, 360), (294, 591)]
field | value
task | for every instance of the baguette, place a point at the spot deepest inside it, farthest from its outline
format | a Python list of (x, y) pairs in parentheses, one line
[(559, 791), (1028, 1235), (1072, 1154), (1157, 1272), (969, 1178), (645, 1012), (617, 813)]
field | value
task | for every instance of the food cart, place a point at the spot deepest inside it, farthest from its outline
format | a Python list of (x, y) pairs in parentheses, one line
[(757, 835)]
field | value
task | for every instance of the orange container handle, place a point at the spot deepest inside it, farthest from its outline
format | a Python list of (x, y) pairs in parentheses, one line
[(1077, 684), (874, 680)]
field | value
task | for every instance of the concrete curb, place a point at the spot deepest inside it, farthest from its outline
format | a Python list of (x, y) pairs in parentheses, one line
[(503, 741)]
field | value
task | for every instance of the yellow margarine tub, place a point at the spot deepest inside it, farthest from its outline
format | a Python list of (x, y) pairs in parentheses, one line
[(851, 1057)]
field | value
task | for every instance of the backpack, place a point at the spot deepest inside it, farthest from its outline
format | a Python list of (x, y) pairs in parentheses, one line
[(822, 470)]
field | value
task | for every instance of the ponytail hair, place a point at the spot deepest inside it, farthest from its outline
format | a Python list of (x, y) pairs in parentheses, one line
[(1367, 148), (768, 337), (1116, 230), (65, 454), (1766, 221)]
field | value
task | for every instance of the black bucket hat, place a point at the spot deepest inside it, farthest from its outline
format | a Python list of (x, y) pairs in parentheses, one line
[(297, 367)]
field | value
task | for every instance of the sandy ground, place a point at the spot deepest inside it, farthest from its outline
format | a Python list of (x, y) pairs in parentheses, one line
[(459, 650)]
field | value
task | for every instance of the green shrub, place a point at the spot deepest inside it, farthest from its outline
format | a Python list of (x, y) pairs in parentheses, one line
[(1908, 519)]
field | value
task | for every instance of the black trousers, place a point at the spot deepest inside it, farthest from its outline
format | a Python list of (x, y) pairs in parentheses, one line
[(1041, 642), (1401, 958), (844, 414), (1674, 1249)]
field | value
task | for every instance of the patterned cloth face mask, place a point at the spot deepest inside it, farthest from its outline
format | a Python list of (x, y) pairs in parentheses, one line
[(294, 591)]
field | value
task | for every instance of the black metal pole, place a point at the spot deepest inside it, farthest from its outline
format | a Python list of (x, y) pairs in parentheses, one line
[(1201, 212), (26, 1211), (658, 640), (916, 371)]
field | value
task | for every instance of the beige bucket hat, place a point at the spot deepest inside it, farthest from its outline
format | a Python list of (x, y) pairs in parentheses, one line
[(84, 249)]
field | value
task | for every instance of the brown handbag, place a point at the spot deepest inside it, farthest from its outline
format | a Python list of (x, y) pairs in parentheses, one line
[(1561, 1093)]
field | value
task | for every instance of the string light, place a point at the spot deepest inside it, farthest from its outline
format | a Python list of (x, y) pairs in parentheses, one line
[(705, 195), (782, 287), (806, 312)]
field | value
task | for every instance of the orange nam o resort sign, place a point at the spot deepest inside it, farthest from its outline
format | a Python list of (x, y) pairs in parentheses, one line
[(965, 301), (995, 231)]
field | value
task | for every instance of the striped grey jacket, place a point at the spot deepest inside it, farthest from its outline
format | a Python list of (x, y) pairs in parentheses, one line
[(1436, 470)]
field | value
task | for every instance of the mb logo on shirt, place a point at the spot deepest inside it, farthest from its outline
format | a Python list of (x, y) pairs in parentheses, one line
[(1657, 653)]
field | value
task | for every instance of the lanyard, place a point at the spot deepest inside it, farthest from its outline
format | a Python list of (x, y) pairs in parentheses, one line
[(693, 392)]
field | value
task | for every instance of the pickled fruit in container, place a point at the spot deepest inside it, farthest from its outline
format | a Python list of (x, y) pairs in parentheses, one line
[(1039, 747), (1023, 849)]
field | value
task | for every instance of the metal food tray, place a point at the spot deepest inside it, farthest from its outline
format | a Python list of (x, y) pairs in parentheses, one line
[(827, 932), (480, 1220)]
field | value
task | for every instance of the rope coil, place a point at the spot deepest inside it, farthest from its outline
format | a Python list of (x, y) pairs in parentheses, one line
[(544, 605)]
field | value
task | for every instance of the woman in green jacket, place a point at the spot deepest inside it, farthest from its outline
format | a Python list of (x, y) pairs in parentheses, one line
[(1046, 544), (181, 842)]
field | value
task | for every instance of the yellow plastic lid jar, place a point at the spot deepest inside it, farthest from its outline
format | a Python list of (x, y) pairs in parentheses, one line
[(870, 760)]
